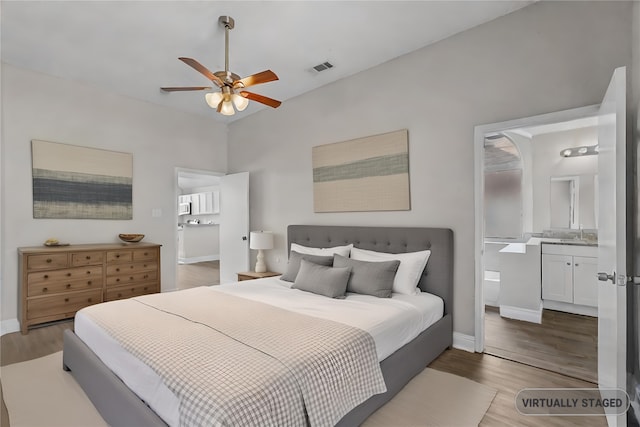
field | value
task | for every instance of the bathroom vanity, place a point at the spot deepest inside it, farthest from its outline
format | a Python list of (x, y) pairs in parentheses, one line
[(569, 277)]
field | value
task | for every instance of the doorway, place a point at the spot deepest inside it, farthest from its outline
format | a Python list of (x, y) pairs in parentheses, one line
[(518, 167), (198, 224)]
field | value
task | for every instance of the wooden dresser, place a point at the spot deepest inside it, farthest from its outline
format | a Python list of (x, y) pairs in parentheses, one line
[(55, 282)]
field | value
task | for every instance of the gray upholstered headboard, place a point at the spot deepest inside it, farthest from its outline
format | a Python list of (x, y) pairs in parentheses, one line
[(438, 275)]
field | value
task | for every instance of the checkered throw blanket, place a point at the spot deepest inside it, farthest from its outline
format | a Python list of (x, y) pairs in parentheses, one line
[(236, 362)]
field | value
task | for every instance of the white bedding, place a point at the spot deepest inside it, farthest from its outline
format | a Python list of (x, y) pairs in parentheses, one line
[(392, 322)]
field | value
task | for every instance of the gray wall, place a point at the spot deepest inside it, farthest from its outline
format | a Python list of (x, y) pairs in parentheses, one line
[(58, 110), (546, 57), (547, 162)]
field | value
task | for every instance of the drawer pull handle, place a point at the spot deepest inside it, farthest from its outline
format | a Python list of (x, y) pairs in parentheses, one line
[(118, 279), (132, 266), (49, 260), (131, 278), (66, 300), (68, 274), (568, 263), (89, 300), (89, 283), (68, 285), (146, 253), (117, 255), (119, 295), (88, 271), (45, 289), (88, 257), (117, 269), (146, 276), (132, 289), (577, 265), (145, 288), (46, 276)]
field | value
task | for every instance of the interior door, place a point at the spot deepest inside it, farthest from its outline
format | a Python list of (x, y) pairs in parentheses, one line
[(234, 225), (612, 242)]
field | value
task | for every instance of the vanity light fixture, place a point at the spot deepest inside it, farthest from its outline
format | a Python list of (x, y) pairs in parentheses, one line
[(586, 150)]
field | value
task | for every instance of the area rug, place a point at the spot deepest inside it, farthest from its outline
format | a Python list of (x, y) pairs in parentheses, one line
[(39, 393), (435, 398)]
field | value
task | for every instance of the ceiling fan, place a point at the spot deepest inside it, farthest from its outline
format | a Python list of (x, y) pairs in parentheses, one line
[(230, 84)]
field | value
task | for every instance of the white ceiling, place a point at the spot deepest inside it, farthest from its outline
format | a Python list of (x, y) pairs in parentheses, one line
[(131, 47)]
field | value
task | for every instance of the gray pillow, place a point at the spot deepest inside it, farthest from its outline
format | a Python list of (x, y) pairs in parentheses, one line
[(369, 278), (319, 279), (294, 263)]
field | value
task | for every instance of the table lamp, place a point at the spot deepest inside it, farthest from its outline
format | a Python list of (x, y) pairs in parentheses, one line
[(261, 240)]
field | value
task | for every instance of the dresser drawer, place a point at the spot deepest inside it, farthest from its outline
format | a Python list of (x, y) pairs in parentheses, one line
[(64, 276), (131, 268), (130, 291), (86, 258), (47, 261), (36, 289), (145, 255), (137, 277), (119, 256), (64, 305)]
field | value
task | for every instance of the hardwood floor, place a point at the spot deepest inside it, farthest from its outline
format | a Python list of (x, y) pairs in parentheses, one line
[(564, 342), (199, 274), (506, 376)]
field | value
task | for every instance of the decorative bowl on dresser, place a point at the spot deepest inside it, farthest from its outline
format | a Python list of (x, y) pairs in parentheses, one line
[(55, 282)]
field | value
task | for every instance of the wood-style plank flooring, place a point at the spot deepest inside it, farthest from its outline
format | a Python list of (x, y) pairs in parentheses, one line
[(564, 342), (199, 274)]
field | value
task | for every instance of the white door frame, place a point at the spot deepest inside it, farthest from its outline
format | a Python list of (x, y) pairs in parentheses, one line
[(478, 148)]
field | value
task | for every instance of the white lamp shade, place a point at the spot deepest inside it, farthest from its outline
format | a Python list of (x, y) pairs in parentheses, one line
[(261, 240), (227, 108), (213, 99), (239, 101)]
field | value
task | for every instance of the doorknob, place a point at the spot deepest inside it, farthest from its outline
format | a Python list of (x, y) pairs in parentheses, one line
[(244, 237), (603, 277)]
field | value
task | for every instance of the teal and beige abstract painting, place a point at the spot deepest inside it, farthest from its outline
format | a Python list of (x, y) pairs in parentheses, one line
[(70, 181), (364, 174)]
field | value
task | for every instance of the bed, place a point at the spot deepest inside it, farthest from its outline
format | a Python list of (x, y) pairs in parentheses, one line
[(122, 407)]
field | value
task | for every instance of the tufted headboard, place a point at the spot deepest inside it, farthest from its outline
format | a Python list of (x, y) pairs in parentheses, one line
[(437, 277)]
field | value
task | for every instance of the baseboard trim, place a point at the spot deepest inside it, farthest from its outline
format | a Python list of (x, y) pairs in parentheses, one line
[(8, 326), (196, 259), (571, 308), (518, 313), (464, 342)]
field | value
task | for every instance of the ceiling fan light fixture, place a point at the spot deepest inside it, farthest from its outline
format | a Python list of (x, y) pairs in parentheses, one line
[(227, 108), (213, 99), (239, 101)]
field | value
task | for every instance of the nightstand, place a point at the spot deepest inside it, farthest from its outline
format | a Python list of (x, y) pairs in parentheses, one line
[(250, 275)]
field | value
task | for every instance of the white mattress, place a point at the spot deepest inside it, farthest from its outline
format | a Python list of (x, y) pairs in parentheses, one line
[(392, 322)]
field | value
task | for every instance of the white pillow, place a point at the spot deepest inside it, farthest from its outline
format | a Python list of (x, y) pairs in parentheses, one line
[(408, 275), (340, 250)]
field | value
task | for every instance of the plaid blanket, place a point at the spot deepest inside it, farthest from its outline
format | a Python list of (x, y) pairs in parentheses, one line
[(235, 362)]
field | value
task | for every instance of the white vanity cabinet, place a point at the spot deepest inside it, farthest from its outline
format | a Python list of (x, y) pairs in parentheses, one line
[(569, 281)]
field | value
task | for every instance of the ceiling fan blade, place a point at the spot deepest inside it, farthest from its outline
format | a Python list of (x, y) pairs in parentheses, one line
[(202, 70), (256, 79), (179, 89), (261, 99)]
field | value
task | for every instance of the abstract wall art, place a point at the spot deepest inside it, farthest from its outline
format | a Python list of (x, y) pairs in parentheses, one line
[(77, 182), (364, 174)]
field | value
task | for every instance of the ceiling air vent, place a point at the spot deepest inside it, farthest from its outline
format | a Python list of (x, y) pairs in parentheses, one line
[(323, 66)]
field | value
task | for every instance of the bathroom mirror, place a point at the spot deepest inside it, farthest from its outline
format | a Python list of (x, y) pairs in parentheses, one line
[(564, 201)]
